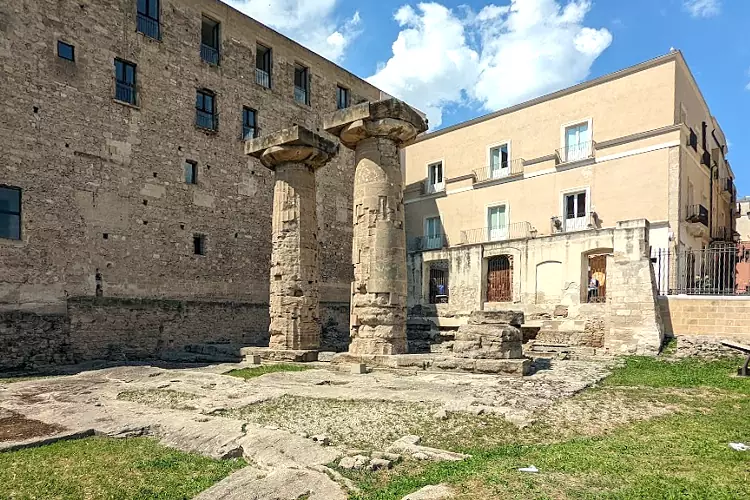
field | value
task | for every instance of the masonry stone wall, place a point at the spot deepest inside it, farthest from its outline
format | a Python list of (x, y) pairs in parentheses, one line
[(103, 187), (31, 341), (709, 317)]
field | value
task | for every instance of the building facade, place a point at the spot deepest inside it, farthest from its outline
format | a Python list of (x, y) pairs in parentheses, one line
[(132, 224), (526, 185)]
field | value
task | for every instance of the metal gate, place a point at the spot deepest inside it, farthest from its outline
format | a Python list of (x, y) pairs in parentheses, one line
[(438, 286), (597, 283), (500, 279)]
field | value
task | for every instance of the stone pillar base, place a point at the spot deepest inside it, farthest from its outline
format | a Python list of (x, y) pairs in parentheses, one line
[(437, 363), (290, 355)]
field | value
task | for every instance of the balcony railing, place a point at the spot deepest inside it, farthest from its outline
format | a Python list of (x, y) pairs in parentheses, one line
[(435, 187), (250, 133), (210, 54), (208, 121), (424, 243), (697, 214), (148, 26), (576, 152), (300, 95), (263, 78), (125, 92), (589, 220), (517, 230), (512, 168)]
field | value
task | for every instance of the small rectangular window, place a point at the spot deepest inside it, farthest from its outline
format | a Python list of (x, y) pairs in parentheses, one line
[(66, 51), (435, 183), (301, 84), (147, 19), (125, 81), (10, 213), (249, 124), (263, 66), (209, 40), (191, 172), (205, 108), (342, 97), (199, 244)]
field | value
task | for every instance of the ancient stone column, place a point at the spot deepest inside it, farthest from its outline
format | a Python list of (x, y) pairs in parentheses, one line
[(376, 131), (294, 154)]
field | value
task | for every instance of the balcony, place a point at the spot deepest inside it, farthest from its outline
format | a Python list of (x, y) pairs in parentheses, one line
[(727, 188), (263, 78), (433, 188), (506, 169), (300, 95), (515, 231), (208, 121), (425, 243), (697, 214), (576, 152), (148, 26), (579, 223), (125, 93), (250, 133), (210, 54)]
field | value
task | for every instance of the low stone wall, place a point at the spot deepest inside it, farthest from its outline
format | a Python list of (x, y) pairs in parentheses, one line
[(119, 329), (128, 330), (31, 342), (711, 317)]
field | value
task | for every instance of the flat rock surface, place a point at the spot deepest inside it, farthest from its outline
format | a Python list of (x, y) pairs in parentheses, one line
[(432, 492), (200, 410)]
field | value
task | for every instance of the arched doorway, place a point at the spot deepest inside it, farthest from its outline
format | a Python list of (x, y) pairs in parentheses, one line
[(500, 279)]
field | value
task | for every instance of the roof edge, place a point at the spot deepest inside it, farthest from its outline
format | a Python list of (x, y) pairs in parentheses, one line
[(651, 63)]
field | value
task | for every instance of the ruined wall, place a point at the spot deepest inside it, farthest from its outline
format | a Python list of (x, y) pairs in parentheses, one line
[(627, 322), (31, 341)]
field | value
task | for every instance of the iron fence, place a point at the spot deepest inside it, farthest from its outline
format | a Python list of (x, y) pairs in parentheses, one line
[(502, 170), (720, 269), (250, 133), (517, 230)]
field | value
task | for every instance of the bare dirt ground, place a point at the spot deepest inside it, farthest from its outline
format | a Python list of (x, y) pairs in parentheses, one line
[(271, 419), (16, 427)]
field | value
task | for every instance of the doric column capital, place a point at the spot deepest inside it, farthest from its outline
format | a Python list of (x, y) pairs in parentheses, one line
[(389, 118), (292, 145)]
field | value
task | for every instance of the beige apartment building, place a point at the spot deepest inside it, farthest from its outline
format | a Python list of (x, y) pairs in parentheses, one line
[(516, 207)]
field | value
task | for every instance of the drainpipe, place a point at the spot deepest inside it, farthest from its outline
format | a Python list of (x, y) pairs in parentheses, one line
[(711, 185)]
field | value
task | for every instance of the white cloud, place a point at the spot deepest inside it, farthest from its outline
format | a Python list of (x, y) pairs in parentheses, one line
[(309, 22), (703, 8), (497, 57)]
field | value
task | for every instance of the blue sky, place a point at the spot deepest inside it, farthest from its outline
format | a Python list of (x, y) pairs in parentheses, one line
[(460, 59)]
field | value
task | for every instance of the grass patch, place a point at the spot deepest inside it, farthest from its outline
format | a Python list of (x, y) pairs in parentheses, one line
[(681, 455), (10, 380), (257, 371), (104, 468)]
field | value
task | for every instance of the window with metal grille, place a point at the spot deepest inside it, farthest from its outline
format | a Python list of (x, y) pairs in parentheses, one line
[(10, 213), (191, 172), (205, 110), (263, 66), (439, 283), (249, 124), (301, 84), (342, 98), (125, 81), (500, 279), (147, 18), (66, 51), (209, 40)]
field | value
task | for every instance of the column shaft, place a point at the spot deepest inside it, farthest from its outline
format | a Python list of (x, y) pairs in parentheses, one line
[(295, 318), (379, 250)]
